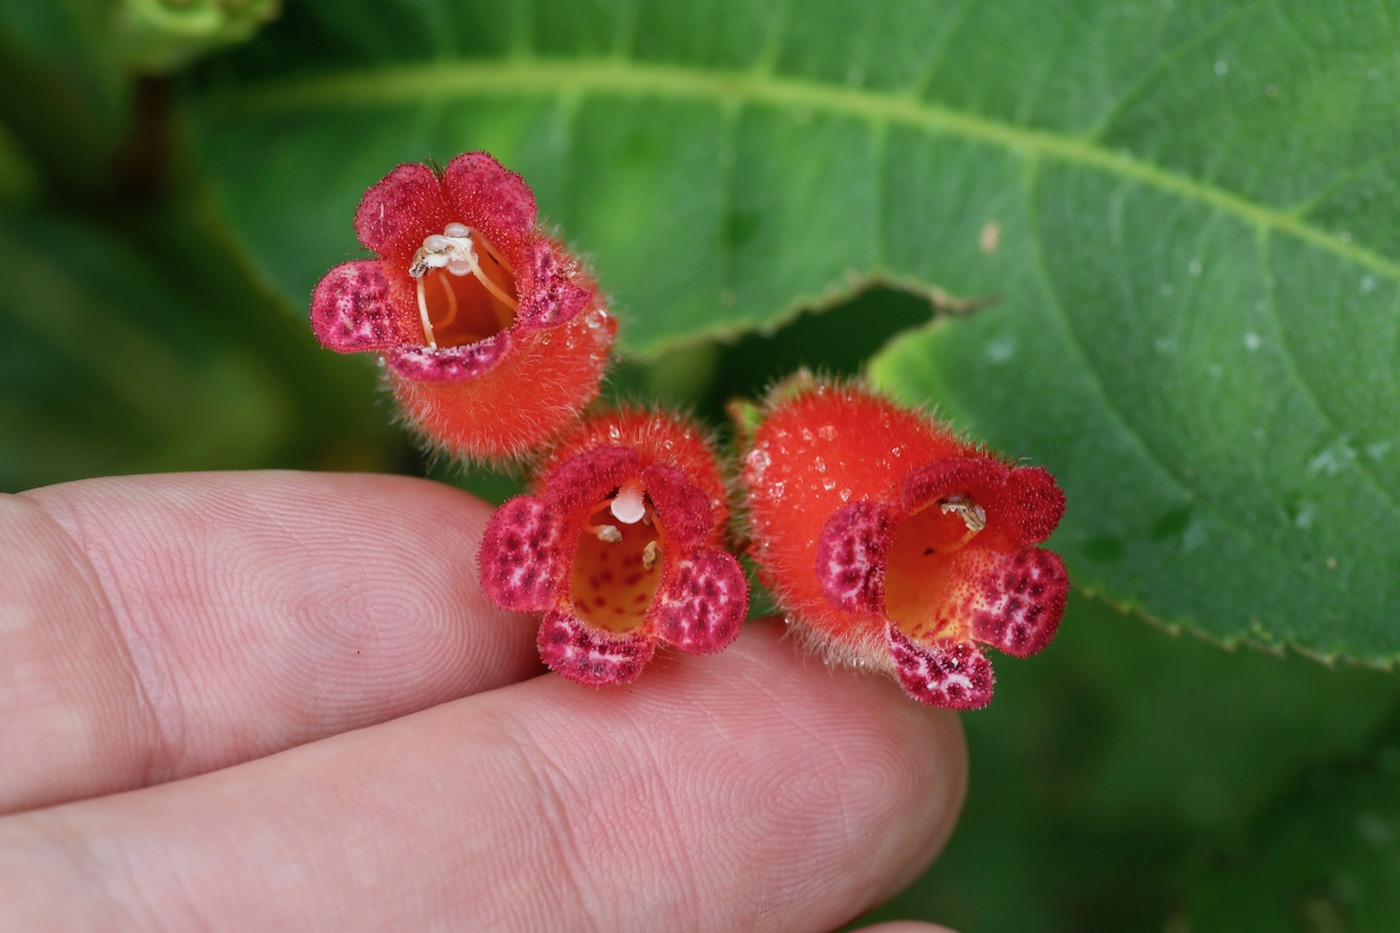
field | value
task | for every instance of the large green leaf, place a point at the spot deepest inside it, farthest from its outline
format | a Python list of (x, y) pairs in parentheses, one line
[(1182, 210)]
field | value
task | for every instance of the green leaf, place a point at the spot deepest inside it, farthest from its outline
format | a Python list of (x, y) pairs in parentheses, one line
[(1183, 213)]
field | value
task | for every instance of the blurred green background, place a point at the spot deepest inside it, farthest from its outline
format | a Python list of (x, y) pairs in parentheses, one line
[(174, 175)]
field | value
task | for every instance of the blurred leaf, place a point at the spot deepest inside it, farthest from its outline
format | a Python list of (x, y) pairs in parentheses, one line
[(18, 180), (104, 370), (158, 36), (72, 38), (1109, 762), (108, 365), (1325, 858), (63, 95)]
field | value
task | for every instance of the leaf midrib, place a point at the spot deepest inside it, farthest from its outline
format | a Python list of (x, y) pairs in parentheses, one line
[(524, 75)]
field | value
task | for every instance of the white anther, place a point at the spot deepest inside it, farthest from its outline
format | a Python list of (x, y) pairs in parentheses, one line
[(650, 555), (451, 248), (972, 514), (628, 506), (608, 534)]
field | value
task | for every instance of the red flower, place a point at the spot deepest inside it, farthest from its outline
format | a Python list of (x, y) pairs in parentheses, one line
[(620, 548), (493, 338), (898, 545)]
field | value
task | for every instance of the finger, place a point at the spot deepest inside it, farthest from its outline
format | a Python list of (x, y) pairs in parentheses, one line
[(753, 789), (157, 627)]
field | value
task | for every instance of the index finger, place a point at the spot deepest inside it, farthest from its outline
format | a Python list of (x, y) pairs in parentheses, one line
[(161, 626)]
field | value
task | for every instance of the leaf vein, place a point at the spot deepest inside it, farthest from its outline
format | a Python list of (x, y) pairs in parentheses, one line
[(412, 84)]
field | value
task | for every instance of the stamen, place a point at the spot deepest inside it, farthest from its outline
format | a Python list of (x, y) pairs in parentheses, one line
[(608, 534), (974, 517), (650, 554), (628, 505), (451, 302), (423, 316), (454, 250), (972, 514)]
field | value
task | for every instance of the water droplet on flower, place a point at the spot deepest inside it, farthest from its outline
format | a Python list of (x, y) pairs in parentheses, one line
[(614, 433), (820, 464), (828, 484), (827, 432), (845, 495)]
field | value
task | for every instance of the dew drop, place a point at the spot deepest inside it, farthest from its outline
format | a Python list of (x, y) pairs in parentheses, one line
[(845, 495), (827, 432), (820, 464)]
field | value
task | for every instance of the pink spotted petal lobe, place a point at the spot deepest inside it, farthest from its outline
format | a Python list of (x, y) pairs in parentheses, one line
[(519, 558), (399, 211), (449, 364), (589, 655), (851, 556), (1017, 601), (352, 308), (553, 296), (704, 602), (950, 673), (682, 506)]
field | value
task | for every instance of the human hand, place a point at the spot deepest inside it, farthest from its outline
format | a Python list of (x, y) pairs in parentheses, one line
[(253, 700)]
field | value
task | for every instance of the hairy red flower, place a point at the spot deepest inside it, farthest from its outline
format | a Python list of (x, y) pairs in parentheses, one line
[(620, 547), (493, 337), (897, 545)]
